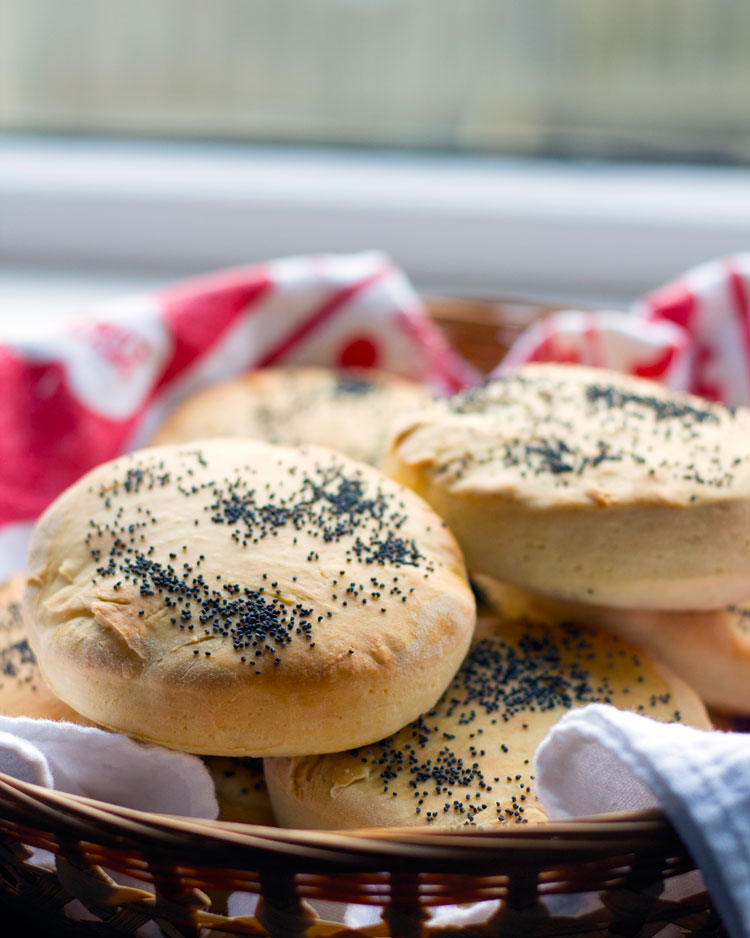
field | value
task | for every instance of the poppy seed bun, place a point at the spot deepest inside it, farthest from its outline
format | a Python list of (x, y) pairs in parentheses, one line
[(709, 649), (237, 598), (23, 692), (240, 786), (470, 760), (589, 485), (349, 411)]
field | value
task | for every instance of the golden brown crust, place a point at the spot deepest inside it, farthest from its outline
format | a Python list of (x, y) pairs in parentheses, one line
[(710, 650), (240, 785), (236, 598), (470, 760), (23, 692), (589, 485), (349, 411)]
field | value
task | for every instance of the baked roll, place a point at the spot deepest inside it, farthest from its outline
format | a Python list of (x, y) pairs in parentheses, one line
[(235, 598), (23, 692), (240, 785), (709, 649), (589, 485), (469, 761), (349, 411)]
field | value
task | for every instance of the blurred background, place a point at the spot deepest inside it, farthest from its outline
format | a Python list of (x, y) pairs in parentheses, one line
[(666, 80), (577, 150)]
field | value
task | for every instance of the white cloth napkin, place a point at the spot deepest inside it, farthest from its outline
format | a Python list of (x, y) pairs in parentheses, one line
[(599, 759), (83, 760)]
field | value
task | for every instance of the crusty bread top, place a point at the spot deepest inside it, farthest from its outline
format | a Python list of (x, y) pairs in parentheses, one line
[(231, 597), (23, 692), (566, 435), (351, 411), (710, 648), (470, 759)]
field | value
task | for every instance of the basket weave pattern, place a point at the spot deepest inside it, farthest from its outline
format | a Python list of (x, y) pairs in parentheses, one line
[(625, 861), (179, 872)]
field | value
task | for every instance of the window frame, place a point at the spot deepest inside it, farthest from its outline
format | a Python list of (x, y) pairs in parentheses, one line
[(585, 231)]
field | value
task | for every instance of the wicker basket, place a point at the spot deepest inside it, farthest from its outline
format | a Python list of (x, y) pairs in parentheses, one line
[(181, 870)]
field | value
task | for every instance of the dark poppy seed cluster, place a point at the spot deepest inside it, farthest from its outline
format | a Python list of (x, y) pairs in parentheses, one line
[(328, 504), (663, 409), (540, 432), (17, 660), (257, 625), (741, 616), (305, 397), (543, 669), (250, 768), (349, 384)]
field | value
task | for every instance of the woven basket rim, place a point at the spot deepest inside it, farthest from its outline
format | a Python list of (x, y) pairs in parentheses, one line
[(621, 831)]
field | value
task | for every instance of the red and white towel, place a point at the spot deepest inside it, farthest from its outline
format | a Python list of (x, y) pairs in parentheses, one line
[(692, 334), (94, 388)]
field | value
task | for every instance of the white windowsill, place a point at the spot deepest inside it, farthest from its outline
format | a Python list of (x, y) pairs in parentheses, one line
[(458, 224)]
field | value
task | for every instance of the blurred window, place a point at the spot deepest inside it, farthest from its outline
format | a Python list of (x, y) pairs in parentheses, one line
[(643, 79)]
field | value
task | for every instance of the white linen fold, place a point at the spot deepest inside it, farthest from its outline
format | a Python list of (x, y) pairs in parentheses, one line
[(599, 759), (110, 767)]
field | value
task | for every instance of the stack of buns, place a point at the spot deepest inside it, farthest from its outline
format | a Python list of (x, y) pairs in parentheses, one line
[(245, 598)]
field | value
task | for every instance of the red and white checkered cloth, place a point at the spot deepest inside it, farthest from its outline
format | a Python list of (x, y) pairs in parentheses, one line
[(692, 334), (93, 389)]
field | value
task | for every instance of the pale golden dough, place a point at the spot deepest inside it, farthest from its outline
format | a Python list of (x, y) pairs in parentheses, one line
[(23, 692), (710, 649), (470, 760), (235, 598), (240, 785), (349, 411), (241, 790), (589, 485)]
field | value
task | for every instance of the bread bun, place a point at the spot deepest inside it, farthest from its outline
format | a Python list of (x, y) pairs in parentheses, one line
[(23, 692), (349, 411), (240, 785), (589, 485), (708, 649), (470, 760), (241, 790), (237, 598)]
